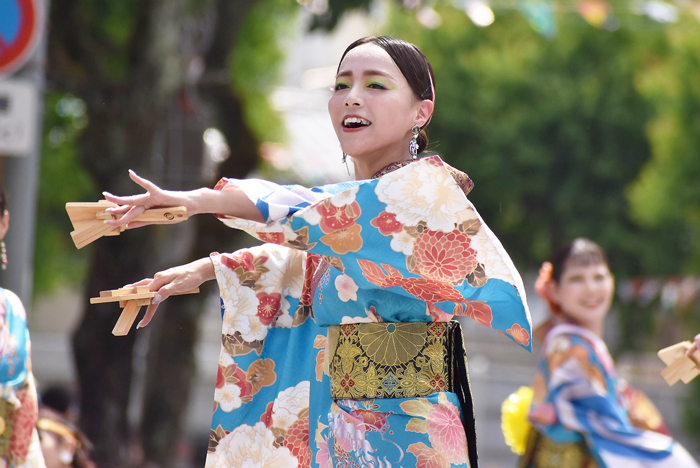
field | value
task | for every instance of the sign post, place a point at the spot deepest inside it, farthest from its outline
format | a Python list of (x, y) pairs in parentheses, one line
[(22, 56)]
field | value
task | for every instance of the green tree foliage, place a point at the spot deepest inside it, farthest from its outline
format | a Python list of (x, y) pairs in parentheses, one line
[(667, 194), (62, 180), (256, 64), (552, 131)]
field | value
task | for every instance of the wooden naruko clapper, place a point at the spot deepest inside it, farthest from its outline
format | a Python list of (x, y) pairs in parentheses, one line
[(131, 299), (678, 365), (88, 219)]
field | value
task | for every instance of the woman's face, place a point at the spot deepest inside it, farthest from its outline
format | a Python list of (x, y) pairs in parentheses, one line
[(373, 108), (585, 293)]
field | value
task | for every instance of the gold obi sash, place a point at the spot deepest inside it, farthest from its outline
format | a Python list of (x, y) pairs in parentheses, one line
[(543, 452), (392, 360)]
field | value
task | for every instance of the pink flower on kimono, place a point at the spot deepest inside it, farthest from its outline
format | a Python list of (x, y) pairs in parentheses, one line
[(269, 307), (347, 289), (446, 432), (323, 455)]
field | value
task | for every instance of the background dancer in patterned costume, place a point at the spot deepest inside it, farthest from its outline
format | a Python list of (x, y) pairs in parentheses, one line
[(583, 414), (338, 345), (19, 440)]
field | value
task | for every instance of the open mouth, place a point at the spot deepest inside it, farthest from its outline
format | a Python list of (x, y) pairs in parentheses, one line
[(356, 122)]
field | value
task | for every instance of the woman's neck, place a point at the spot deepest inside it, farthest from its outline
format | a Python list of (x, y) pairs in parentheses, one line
[(368, 165), (595, 327)]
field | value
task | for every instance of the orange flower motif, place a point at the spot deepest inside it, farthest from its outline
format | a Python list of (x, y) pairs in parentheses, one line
[(520, 335), (428, 457), (386, 223), (343, 241), (334, 217), (444, 256)]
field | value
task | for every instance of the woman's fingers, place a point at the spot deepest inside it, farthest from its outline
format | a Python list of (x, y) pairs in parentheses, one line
[(131, 200), (150, 312), (145, 183), (130, 215)]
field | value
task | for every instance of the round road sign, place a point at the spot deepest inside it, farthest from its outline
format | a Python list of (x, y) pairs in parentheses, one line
[(19, 31)]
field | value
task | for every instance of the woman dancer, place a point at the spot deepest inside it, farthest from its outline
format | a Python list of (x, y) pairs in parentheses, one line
[(583, 415), (19, 441), (338, 347)]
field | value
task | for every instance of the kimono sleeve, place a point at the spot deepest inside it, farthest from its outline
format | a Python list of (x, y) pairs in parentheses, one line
[(581, 394), (414, 232)]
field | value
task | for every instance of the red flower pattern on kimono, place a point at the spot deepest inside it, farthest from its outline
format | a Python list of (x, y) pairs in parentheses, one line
[(266, 417), (239, 260), (423, 289), (269, 307), (297, 441), (444, 256), (334, 217), (386, 223), (242, 380), (24, 424), (475, 310), (272, 237)]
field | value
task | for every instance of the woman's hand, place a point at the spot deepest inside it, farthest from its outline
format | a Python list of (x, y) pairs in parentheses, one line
[(177, 279), (155, 197), (695, 347), (226, 202)]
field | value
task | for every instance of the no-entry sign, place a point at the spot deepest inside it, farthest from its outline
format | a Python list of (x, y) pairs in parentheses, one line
[(19, 32)]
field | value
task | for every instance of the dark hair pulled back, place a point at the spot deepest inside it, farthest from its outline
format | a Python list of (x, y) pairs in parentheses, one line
[(412, 64), (579, 252)]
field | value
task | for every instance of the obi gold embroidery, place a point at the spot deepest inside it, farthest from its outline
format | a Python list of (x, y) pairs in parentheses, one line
[(545, 453), (391, 360)]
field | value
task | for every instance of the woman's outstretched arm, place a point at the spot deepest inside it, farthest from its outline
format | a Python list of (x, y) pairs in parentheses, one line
[(204, 200)]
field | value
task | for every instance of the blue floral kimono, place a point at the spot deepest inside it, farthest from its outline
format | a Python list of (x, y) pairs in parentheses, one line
[(585, 414), (19, 440), (406, 246)]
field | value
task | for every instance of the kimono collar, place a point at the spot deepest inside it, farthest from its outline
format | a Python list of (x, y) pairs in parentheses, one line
[(392, 167), (598, 345), (462, 179)]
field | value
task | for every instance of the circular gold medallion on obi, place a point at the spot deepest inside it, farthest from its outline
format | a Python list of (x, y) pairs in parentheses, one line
[(389, 360)]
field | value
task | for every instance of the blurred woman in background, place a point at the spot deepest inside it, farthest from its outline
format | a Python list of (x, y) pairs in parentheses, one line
[(62, 443), (19, 441), (583, 415)]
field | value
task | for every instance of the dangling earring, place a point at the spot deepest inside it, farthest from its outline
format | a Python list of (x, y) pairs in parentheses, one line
[(3, 255), (413, 145), (345, 161)]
